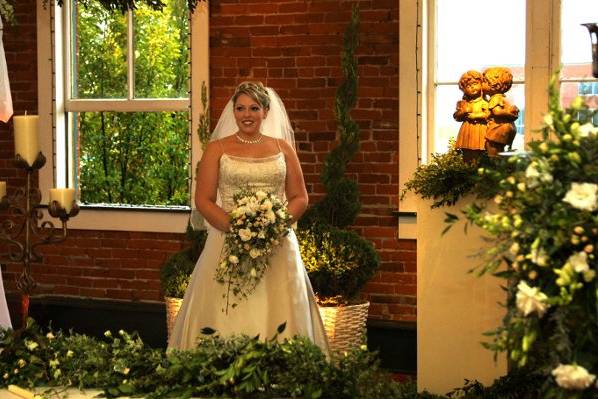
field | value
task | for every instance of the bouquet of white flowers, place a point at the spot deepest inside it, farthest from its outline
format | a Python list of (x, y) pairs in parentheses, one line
[(258, 221)]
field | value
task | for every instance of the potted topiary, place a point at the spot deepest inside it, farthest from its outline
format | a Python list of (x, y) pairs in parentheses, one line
[(339, 262), (176, 271)]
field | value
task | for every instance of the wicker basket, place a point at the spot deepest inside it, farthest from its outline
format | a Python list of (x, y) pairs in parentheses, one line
[(172, 309), (345, 325)]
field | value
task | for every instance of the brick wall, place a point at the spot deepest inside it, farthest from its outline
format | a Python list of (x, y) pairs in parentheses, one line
[(293, 46)]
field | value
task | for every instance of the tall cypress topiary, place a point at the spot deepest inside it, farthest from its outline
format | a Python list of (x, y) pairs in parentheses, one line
[(340, 206), (339, 262)]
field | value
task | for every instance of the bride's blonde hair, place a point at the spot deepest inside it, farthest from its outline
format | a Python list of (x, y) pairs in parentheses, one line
[(256, 91)]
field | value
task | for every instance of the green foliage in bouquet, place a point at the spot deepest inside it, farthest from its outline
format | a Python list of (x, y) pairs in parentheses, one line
[(238, 367), (339, 262), (545, 230), (175, 273), (447, 177)]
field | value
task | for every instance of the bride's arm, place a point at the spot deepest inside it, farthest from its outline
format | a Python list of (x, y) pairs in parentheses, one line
[(206, 188), (295, 185)]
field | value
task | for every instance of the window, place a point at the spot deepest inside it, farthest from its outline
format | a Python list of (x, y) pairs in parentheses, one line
[(476, 45), (139, 59), (441, 39), (118, 111), (576, 57)]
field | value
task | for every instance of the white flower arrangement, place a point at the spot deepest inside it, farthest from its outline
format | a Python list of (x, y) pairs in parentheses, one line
[(258, 221), (545, 230)]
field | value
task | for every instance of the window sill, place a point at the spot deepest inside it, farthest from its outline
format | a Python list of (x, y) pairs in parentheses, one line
[(144, 219), (407, 222)]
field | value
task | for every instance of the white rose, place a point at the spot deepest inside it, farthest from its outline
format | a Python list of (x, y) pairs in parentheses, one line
[(587, 129), (261, 235), (245, 234), (260, 195), (270, 216), (572, 376), (530, 299), (582, 196), (251, 208), (233, 259), (281, 213), (50, 336), (254, 253), (579, 261), (266, 205)]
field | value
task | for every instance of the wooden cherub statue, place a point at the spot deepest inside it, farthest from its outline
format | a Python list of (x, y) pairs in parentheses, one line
[(500, 130), (473, 111)]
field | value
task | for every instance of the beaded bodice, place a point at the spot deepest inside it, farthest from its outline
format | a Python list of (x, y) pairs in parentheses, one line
[(267, 174)]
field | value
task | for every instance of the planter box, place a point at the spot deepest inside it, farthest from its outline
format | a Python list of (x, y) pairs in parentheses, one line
[(454, 307)]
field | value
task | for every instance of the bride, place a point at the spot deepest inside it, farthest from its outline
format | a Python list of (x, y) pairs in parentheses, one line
[(251, 147)]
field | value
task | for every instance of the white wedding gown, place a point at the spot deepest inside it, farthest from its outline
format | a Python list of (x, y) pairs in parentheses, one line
[(283, 295)]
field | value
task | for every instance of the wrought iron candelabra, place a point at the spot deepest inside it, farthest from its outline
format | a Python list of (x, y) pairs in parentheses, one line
[(23, 231)]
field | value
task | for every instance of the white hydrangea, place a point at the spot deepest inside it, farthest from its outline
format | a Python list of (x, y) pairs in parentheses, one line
[(572, 376)]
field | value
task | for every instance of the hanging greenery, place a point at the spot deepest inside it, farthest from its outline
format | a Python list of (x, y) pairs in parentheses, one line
[(124, 5)]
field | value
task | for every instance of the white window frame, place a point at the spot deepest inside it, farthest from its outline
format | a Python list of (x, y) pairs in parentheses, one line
[(416, 84), (54, 105)]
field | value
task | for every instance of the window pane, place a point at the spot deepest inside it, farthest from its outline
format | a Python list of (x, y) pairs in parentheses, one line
[(475, 34), (447, 128), (132, 158), (99, 48), (465, 41), (162, 51), (576, 54)]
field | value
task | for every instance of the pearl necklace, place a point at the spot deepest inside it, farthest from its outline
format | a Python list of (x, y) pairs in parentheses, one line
[(246, 141)]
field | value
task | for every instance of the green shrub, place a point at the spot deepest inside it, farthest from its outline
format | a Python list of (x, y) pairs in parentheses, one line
[(339, 262), (176, 271), (447, 177)]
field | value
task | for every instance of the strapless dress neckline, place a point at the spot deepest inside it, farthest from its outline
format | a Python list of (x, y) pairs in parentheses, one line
[(252, 159)]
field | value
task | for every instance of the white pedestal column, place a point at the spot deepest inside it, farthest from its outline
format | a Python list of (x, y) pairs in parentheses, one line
[(454, 307)]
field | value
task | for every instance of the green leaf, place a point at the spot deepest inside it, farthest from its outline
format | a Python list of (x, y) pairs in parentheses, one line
[(207, 331), (281, 327)]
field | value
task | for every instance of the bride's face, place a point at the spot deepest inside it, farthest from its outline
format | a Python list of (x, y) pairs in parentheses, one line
[(249, 115)]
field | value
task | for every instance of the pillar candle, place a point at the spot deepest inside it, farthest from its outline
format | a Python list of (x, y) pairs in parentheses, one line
[(2, 189), (26, 143), (64, 196)]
